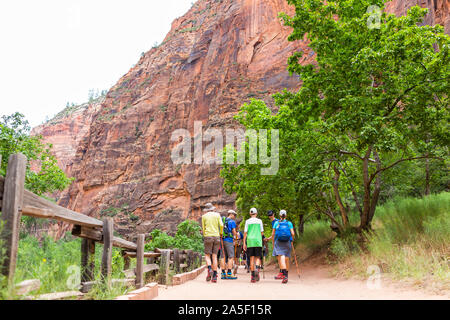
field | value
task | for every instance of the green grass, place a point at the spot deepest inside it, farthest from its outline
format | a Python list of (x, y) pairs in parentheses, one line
[(56, 264), (409, 242), (316, 235)]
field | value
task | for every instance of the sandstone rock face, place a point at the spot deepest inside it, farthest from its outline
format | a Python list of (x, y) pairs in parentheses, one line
[(438, 10), (66, 130), (215, 58)]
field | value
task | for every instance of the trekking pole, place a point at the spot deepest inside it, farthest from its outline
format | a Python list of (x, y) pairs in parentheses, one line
[(234, 258), (295, 257), (264, 269)]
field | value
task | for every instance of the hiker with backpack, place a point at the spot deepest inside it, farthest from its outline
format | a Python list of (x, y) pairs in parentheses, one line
[(212, 227), (282, 236), (273, 220), (253, 233), (228, 237)]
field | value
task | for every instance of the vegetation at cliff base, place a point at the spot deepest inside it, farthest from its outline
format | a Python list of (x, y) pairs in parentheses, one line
[(188, 236)]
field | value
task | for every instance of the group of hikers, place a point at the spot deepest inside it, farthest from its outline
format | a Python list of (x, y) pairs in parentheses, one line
[(224, 243)]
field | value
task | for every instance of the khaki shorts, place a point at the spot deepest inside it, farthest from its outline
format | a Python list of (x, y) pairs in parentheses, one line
[(212, 245)]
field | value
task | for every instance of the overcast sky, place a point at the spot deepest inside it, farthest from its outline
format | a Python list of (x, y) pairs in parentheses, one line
[(53, 51)]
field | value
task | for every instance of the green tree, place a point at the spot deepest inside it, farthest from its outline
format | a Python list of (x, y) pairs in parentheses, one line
[(375, 98), (15, 138)]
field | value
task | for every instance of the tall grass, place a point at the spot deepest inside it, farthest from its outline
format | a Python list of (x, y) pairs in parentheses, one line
[(317, 234), (57, 265), (410, 241)]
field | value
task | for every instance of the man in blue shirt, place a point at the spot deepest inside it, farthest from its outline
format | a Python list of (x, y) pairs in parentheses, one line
[(229, 235)]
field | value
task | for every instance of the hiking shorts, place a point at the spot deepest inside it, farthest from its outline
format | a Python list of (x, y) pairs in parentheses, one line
[(282, 248), (212, 245), (254, 252), (229, 249)]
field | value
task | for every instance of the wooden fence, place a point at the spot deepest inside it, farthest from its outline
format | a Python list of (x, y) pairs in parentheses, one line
[(15, 201)]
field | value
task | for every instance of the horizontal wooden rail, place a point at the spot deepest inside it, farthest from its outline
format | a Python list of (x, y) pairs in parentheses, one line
[(97, 235), (146, 254), (145, 268), (38, 207)]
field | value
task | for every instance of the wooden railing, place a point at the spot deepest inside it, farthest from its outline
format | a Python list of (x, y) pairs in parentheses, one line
[(15, 201)]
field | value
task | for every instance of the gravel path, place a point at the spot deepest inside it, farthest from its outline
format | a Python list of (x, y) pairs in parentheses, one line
[(315, 283)]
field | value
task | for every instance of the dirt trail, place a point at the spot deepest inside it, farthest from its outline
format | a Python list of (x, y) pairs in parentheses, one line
[(315, 283)]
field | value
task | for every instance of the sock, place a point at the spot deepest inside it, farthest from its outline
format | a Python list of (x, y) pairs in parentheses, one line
[(214, 273), (284, 271), (287, 273), (209, 268), (229, 271), (223, 270)]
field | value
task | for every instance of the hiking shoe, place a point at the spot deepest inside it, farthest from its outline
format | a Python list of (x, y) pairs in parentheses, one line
[(279, 276), (257, 276), (214, 279), (223, 276), (231, 277), (253, 280), (208, 275), (285, 279)]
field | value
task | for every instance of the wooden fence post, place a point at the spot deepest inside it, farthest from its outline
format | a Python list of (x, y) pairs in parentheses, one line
[(108, 230), (126, 260), (87, 260), (164, 264), (140, 261), (176, 260), (196, 259), (189, 259), (11, 204)]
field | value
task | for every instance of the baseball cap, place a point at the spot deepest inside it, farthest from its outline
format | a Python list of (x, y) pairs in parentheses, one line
[(270, 213), (283, 213), (232, 211), (253, 211)]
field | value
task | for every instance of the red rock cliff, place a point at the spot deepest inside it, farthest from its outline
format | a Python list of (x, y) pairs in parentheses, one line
[(214, 59)]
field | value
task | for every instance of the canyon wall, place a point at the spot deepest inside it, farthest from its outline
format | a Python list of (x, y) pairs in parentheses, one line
[(214, 59)]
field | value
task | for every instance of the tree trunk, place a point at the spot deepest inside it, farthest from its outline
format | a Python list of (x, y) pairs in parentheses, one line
[(338, 197), (427, 177), (364, 224), (301, 224)]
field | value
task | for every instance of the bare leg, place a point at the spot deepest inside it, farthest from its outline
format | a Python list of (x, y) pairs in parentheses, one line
[(214, 262), (208, 259), (283, 262)]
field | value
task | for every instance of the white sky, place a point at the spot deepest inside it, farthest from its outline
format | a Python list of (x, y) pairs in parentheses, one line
[(53, 51)]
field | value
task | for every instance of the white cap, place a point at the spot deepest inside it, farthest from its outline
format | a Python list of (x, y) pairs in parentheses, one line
[(283, 213), (253, 211), (232, 211)]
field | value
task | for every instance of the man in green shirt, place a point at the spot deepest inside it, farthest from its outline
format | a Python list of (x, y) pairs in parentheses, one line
[(212, 227), (253, 243)]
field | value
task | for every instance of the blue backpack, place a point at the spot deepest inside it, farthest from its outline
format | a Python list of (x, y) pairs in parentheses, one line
[(283, 232), (226, 231)]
